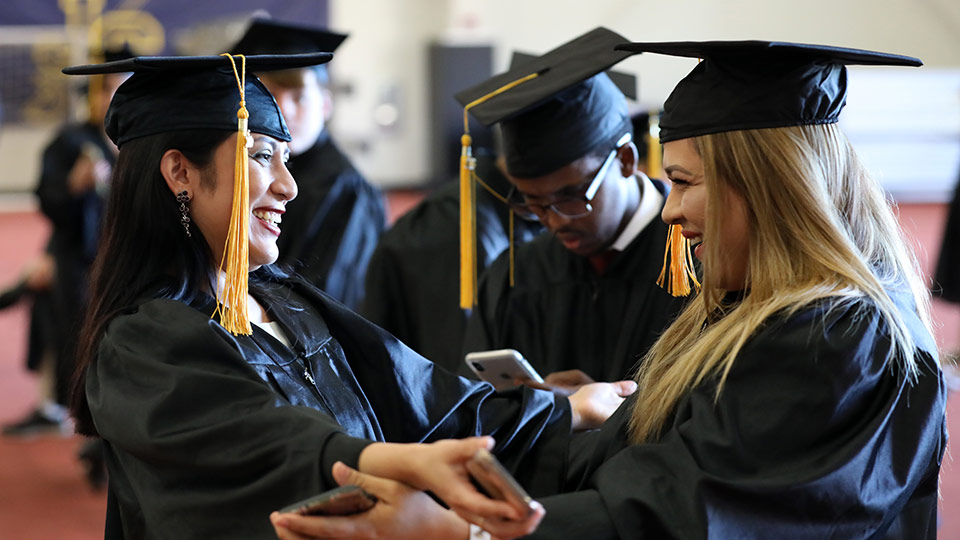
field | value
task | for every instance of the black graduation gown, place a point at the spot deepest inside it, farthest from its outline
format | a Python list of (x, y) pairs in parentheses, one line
[(562, 315), (207, 433), (946, 279), (331, 228), (813, 436), (75, 220), (413, 281)]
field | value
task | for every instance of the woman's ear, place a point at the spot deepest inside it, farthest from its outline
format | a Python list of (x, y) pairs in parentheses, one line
[(179, 174), (628, 156)]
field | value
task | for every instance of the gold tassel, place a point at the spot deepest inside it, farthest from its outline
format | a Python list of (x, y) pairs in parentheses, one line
[(677, 272), (468, 204), (468, 226), (232, 298), (654, 154)]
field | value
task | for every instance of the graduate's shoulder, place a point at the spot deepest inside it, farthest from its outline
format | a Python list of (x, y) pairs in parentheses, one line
[(434, 221), (845, 331), (161, 324)]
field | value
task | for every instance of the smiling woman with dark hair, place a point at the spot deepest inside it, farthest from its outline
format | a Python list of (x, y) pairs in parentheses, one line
[(224, 389)]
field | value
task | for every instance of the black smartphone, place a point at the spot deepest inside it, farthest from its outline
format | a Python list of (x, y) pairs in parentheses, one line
[(497, 482), (342, 501)]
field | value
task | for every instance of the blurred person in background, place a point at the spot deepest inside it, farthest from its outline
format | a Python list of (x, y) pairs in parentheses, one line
[(335, 222), (74, 179), (413, 279)]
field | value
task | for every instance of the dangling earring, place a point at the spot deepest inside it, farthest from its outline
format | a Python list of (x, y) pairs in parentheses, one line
[(183, 198)]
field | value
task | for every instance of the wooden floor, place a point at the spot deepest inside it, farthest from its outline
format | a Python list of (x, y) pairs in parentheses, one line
[(42, 491)]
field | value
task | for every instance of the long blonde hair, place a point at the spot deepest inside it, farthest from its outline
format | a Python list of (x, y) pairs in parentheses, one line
[(819, 226)]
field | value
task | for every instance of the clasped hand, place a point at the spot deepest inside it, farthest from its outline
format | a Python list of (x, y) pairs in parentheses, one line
[(397, 474)]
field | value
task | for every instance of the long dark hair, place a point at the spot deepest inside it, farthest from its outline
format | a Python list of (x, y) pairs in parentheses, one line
[(143, 247)]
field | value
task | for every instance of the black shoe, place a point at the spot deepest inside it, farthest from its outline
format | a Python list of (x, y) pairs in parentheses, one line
[(37, 423)]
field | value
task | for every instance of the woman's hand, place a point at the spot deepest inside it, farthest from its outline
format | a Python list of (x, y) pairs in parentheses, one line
[(401, 512), (592, 404), (563, 383), (440, 467)]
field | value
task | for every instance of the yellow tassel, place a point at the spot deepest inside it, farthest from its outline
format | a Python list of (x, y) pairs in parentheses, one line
[(468, 204), (232, 298), (677, 272), (654, 155), (468, 227)]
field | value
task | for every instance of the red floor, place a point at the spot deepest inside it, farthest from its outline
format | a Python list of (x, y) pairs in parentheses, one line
[(42, 492)]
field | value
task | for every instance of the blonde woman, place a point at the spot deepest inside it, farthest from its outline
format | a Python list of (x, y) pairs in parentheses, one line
[(798, 394)]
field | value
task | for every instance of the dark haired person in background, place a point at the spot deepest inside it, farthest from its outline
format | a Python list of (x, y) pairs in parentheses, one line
[(573, 166)]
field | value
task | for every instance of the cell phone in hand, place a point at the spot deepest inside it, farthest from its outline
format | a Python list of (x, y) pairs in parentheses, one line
[(497, 482), (501, 367), (342, 501)]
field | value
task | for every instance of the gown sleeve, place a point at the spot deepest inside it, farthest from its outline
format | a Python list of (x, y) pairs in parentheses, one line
[(813, 436), (207, 449), (415, 400)]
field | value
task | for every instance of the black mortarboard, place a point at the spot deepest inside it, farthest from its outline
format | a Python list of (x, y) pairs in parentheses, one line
[(267, 36), (758, 84), (169, 93), (568, 109), (625, 82), (552, 110)]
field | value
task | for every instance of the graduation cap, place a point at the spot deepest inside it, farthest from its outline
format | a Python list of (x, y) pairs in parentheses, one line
[(552, 110), (626, 82), (758, 84), (168, 93), (563, 109), (267, 36), (751, 85)]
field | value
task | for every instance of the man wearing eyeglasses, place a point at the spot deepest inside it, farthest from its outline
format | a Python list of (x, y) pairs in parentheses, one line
[(585, 304)]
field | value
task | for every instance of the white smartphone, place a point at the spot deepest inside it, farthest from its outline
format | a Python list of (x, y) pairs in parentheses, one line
[(501, 367)]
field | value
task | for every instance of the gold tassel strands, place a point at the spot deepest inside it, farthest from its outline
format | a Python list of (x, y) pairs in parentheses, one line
[(677, 272), (468, 226), (232, 297), (468, 203)]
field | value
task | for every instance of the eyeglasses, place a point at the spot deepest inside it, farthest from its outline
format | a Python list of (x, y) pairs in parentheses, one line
[(569, 207)]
